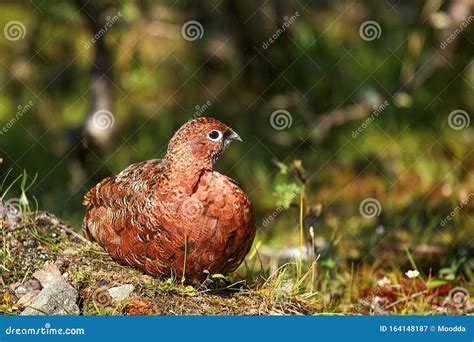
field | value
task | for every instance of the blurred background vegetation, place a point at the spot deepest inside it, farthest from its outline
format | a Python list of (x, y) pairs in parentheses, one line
[(318, 68)]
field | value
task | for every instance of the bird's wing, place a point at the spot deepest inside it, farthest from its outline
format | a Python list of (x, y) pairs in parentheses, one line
[(108, 203), (116, 191)]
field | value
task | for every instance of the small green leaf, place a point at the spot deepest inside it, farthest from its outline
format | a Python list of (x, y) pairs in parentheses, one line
[(218, 276), (189, 291), (286, 193), (435, 283)]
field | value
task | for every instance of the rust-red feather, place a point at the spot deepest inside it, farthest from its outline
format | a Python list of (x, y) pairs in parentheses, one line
[(155, 212)]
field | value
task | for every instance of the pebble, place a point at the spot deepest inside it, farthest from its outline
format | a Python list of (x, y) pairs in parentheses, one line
[(122, 292), (48, 275), (101, 282), (28, 286)]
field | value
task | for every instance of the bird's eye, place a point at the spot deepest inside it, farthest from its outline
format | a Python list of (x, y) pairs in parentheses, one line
[(214, 135)]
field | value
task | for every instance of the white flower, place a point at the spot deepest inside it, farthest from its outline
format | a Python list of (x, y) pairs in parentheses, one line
[(384, 282), (412, 274)]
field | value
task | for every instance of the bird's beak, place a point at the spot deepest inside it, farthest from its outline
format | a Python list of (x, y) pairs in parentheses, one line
[(231, 135)]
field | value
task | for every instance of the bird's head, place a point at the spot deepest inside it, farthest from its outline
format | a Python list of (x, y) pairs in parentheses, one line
[(199, 143)]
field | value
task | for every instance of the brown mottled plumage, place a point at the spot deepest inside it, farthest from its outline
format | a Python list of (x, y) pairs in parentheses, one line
[(155, 212)]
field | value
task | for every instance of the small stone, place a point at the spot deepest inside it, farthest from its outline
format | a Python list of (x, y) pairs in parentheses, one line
[(28, 286), (122, 292), (58, 298), (26, 299), (33, 284), (48, 275), (14, 286), (101, 282)]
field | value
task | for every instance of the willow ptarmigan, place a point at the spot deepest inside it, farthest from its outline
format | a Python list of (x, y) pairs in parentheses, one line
[(176, 214)]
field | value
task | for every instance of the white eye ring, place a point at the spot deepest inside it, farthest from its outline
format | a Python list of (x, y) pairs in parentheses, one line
[(214, 135)]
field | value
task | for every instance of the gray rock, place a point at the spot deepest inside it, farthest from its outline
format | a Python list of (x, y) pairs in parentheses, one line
[(59, 298), (122, 292), (48, 275)]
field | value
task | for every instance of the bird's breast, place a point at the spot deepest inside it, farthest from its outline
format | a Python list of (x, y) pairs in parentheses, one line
[(213, 225)]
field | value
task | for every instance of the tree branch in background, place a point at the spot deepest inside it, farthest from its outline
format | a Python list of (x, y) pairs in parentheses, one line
[(91, 137)]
